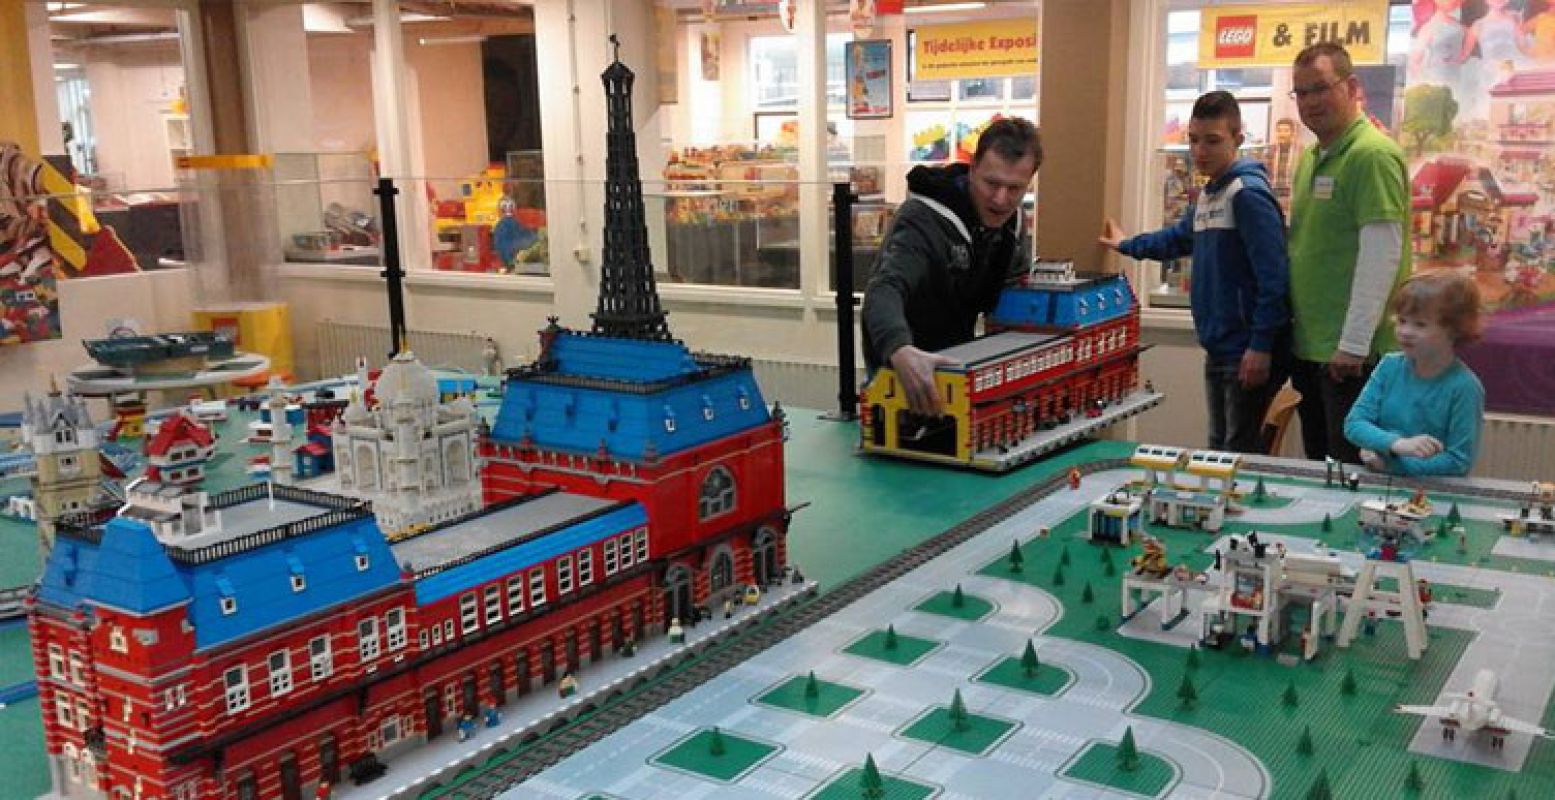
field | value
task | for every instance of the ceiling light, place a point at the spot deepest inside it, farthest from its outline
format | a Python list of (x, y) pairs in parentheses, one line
[(944, 7), (66, 65), (474, 38)]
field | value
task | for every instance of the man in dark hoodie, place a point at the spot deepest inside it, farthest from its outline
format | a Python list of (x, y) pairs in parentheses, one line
[(1241, 276), (956, 242)]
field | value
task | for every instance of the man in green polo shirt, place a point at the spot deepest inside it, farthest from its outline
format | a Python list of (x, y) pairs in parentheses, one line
[(1349, 212)]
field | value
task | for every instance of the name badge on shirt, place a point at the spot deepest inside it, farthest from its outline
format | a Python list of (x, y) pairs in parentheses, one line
[(1323, 187)]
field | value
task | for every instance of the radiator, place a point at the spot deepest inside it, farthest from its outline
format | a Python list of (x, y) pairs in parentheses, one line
[(1517, 448), (341, 343), (799, 384)]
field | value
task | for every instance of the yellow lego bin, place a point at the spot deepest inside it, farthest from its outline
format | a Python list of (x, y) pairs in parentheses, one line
[(255, 327)]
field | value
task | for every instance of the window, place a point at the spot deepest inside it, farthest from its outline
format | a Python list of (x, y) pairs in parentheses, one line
[(469, 613), (641, 538), (361, 562), (77, 669), (394, 628), (65, 713), (320, 660), (722, 574), (774, 70), (280, 672), (72, 763), (536, 588), (424, 638), (585, 567), (236, 681), (437, 635), (389, 732), (717, 495), (83, 714), (175, 697), (625, 546), (448, 629), (515, 594), (367, 638), (299, 583), (229, 606), (563, 575), (610, 556), (493, 604), (56, 662)]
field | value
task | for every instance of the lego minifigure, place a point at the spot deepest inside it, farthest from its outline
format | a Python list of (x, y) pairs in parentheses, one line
[(493, 716), (567, 687), (1074, 477), (466, 727), (324, 792), (728, 607), (677, 634)]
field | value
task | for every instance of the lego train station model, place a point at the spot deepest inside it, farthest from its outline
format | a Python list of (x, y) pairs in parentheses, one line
[(1061, 362), (265, 641)]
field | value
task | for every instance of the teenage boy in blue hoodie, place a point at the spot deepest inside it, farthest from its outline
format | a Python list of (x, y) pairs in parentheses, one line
[(1241, 277)]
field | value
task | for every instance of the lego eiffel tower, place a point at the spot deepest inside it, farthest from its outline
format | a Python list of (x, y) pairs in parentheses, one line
[(628, 301)]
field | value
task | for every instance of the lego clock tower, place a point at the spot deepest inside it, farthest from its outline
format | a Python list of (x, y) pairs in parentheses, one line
[(59, 432)]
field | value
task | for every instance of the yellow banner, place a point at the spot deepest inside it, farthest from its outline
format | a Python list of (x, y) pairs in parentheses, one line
[(976, 50), (1272, 35)]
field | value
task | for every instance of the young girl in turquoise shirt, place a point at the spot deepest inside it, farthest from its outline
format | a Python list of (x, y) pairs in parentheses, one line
[(1420, 412)]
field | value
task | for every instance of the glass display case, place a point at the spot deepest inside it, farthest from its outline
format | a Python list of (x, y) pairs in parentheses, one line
[(325, 209)]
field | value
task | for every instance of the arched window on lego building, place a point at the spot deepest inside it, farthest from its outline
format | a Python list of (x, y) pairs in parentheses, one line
[(717, 496), (721, 575), (764, 563)]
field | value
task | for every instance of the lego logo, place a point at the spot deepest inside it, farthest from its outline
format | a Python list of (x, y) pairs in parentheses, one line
[(1234, 37)]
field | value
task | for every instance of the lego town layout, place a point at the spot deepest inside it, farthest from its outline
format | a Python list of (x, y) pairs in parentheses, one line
[(1337, 637)]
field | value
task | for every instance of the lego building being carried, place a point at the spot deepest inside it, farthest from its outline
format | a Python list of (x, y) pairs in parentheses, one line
[(1061, 363), (160, 354)]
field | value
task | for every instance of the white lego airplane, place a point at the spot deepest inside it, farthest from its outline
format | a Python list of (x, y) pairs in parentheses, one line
[(1475, 710)]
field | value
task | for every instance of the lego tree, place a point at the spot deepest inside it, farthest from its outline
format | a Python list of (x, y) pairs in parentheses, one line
[(1328, 524), (1102, 622), (1087, 595), (1413, 783), (870, 783), (1441, 528), (1347, 686), (1260, 492), (958, 600), (1289, 697), (1304, 744), (1128, 753), (1107, 568), (812, 687), (715, 743), (1063, 556), (1016, 558), (1453, 516), (1186, 692), (958, 715), (1058, 576), (890, 637), (1320, 789), (1193, 656), (1028, 660)]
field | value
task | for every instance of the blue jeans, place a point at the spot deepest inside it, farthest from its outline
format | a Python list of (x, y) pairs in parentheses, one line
[(1236, 414)]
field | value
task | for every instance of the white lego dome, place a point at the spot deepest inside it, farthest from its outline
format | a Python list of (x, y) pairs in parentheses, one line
[(405, 378)]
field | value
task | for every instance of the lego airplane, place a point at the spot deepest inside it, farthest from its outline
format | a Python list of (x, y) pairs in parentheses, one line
[(1475, 710)]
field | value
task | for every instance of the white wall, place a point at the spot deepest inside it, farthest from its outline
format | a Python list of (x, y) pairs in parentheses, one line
[(341, 85), (132, 87), (446, 80)]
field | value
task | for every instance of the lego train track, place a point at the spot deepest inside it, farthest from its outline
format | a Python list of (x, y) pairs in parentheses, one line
[(485, 775), (469, 780)]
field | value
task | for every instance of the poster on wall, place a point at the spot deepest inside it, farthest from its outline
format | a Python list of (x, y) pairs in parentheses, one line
[(975, 50), (1478, 129), (664, 54), (29, 303), (1270, 35), (869, 78)]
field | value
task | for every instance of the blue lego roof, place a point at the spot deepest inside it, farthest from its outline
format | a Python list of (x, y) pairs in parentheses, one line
[(492, 567), (611, 358), (1065, 306), (453, 385), (674, 408), (130, 570)]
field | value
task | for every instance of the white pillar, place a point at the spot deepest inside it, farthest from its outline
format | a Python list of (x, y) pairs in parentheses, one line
[(392, 118), (810, 31)]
